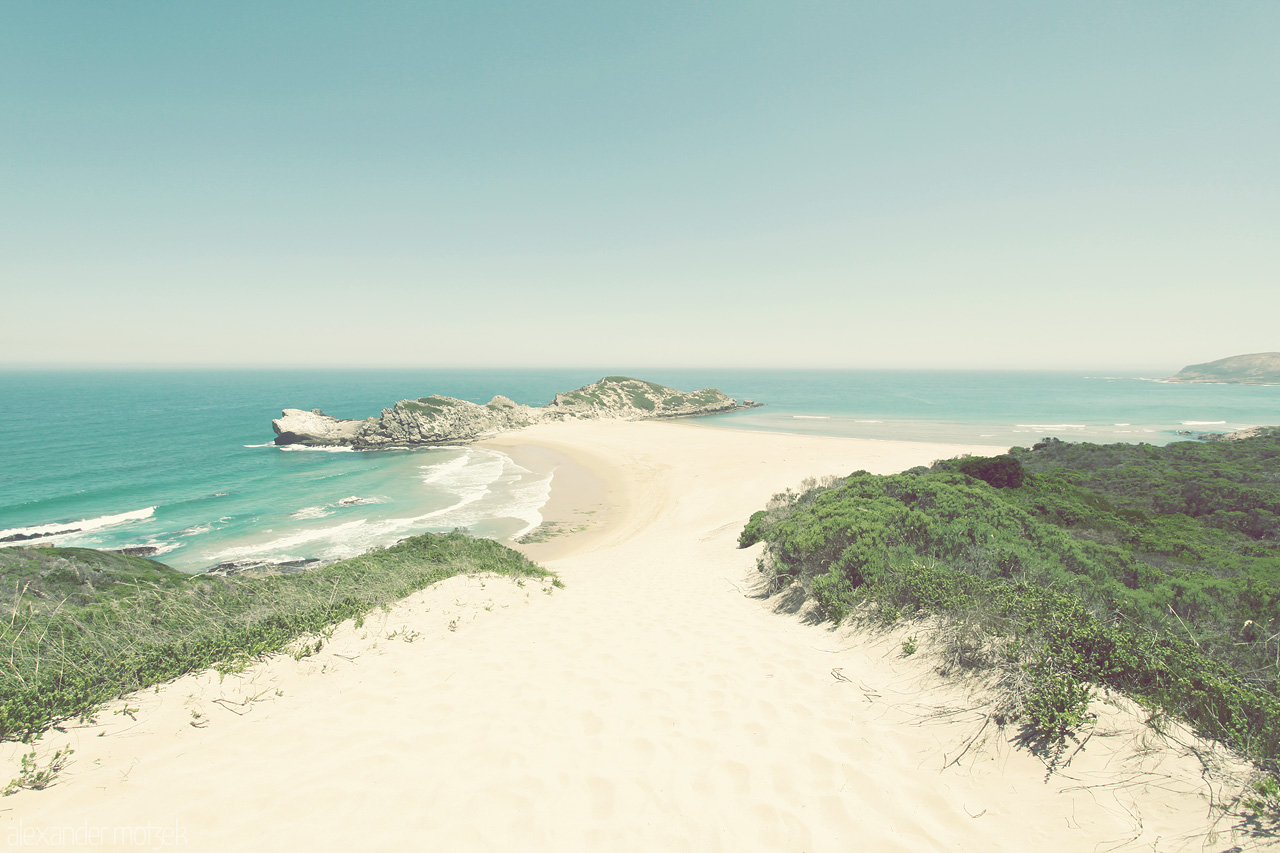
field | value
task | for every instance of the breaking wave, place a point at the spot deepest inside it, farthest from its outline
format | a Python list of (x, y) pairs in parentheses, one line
[(83, 526)]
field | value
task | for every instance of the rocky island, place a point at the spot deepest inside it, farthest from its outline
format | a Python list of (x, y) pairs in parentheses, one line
[(1259, 368), (446, 420)]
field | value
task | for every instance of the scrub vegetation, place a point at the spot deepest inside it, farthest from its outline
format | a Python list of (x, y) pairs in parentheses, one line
[(428, 405), (1154, 571), (84, 627)]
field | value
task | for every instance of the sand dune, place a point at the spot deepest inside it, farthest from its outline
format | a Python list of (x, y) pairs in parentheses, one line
[(653, 703)]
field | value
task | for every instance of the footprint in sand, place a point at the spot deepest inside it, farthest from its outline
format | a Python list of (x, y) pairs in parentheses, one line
[(591, 723), (739, 776), (601, 798)]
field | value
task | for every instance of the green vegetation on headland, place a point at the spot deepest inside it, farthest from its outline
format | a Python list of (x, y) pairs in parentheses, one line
[(85, 627), (1259, 368), (444, 420), (1154, 571)]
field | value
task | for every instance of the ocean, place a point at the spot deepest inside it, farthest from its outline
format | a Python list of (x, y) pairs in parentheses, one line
[(182, 461)]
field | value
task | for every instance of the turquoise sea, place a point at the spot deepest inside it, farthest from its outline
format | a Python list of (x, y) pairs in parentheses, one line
[(182, 461)]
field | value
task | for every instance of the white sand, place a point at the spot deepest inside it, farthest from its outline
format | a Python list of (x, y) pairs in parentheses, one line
[(648, 705)]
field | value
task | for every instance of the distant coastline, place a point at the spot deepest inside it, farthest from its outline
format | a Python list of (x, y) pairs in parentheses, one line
[(1259, 368)]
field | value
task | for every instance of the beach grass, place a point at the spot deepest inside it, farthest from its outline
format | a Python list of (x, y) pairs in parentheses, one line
[(84, 627)]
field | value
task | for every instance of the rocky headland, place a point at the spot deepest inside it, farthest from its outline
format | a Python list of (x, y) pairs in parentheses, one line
[(1259, 368), (446, 420)]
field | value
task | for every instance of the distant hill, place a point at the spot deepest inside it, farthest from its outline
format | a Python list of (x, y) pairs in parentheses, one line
[(1259, 368)]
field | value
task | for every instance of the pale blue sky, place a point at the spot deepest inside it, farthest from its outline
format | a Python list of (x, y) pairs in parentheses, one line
[(892, 184)]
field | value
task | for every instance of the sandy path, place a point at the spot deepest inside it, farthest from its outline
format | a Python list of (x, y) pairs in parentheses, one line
[(649, 705)]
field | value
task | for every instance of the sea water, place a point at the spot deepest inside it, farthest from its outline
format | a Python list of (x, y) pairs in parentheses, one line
[(1000, 409), (183, 461)]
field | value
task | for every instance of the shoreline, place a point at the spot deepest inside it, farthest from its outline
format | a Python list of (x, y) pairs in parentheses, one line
[(585, 499), (595, 490), (656, 701)]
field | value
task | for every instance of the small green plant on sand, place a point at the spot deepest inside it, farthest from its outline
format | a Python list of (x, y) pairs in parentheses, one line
[(1264, 798), (909, 646), (35, 777), (1057, 703)]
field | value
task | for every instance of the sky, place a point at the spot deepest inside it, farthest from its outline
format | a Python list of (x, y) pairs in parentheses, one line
[(1013, 185)]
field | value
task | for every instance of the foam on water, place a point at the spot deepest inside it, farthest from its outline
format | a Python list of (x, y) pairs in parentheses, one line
[(512, 491), (86, 525), (201, 529), (478, 485), (326, 510), (160, 547), (442, 470), (358, 501), (280, 547), (308, 512)]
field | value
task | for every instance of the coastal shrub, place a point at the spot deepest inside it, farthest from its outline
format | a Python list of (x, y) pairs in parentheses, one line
[(1003, 472), (1066, 566), (128, 623), (641, 400), (1057, 701), (752, 533)]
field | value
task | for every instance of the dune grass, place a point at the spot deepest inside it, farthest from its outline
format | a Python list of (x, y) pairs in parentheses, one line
[(84, 627)]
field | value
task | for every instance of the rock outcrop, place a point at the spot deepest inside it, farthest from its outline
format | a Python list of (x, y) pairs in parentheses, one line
[(436, 420), (445, 420), (624, 398), (1259, 368), (296, 426), (1241, 434)]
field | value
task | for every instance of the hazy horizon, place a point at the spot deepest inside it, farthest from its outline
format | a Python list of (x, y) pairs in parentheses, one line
[(921, 185), (1142, 371)]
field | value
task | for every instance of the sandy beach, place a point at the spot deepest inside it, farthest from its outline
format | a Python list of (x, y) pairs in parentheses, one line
[(655, 702)]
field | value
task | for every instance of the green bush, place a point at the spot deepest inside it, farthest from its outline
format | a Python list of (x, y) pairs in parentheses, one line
[(1057, 701), (1003, 472), (1148, 570)]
